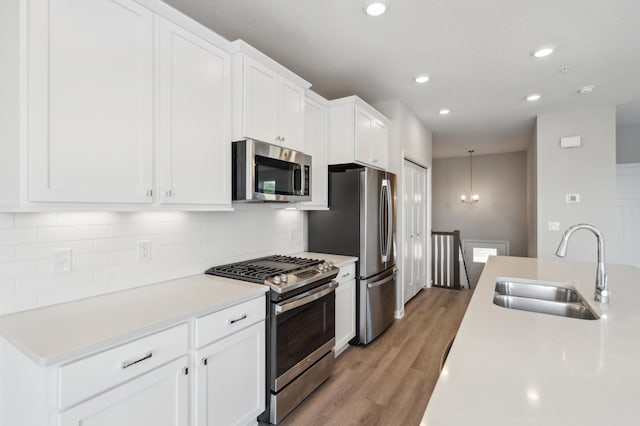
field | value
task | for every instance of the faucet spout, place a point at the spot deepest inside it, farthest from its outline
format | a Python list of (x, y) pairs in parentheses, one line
[(602, 286)]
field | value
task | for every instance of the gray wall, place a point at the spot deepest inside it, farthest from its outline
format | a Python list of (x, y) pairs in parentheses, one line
[(589, 170), (501, 213), (532, 195), (628, 144)]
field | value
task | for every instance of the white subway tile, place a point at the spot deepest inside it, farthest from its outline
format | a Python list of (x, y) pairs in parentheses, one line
[(6, 220), (59, 233), (75, 278), (15, 270), (36, 283), (93, 289), (90, 260), (125, 256), (18, 236), (106, 218), (57, 295), (92, 232), (7, 254), (74, 218), (35, 220), (7, 288)]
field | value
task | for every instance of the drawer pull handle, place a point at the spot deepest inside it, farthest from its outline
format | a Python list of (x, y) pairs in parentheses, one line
[(235, 320), (344, 275), (127, 364)]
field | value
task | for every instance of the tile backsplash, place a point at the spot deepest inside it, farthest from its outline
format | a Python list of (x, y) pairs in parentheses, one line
[(104, 248)]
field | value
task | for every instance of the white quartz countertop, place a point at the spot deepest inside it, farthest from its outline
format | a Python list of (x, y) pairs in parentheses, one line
[(510, 367), (338, 260), (59, 333)]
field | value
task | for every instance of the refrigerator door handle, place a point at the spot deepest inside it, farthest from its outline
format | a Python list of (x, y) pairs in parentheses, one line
[(382, 222), (389, 220), (383, 281)]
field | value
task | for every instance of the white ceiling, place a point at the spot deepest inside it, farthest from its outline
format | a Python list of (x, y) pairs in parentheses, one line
[(478, 54)]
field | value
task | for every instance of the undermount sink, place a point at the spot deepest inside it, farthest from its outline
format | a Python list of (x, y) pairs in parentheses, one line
[(536, 290), (542, 297)]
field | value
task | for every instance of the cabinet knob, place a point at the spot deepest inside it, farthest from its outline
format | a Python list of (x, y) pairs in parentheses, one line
[(149, 192), (282, 138), (168, 193), (375, 160)]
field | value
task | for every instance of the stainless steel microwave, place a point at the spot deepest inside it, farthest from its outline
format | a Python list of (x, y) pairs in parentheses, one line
[(265, 172)]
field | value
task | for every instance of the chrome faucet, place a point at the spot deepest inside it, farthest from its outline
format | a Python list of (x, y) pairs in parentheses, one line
[(602, 287)]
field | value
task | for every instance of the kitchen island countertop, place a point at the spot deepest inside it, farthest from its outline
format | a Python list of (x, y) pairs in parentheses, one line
[(61, 332), (510, 367)]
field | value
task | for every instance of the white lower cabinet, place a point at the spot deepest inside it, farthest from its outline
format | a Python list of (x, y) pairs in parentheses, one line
[(230, 377), (345, 308), (159, 397)]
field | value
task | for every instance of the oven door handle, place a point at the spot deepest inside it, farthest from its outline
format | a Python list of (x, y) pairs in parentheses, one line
[(305, 298)]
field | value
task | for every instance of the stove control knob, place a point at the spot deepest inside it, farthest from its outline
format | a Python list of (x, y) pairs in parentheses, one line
[(284, 278), (321, 266), (326, 265), (276, 279)]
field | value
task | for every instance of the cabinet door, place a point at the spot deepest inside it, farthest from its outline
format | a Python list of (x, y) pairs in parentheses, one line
[(291, 115), (345, 315), (260, 103), (230, 387), (363, 135), (90, 75), (315, 130), (195, 122), (379, 138), (158, 398)]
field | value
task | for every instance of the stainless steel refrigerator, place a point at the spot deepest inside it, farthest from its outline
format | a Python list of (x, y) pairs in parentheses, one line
[(361, 222)]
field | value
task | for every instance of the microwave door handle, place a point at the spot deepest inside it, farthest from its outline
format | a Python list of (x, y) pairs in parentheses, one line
[(297, 180)]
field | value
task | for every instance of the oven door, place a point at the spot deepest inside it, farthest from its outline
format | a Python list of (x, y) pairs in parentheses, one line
[(303, 331)]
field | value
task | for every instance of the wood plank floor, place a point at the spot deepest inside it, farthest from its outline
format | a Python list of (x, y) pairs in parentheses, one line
[(390, 381)]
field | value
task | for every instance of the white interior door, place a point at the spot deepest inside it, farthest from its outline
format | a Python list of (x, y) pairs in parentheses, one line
[(414, 211), (407, 238)]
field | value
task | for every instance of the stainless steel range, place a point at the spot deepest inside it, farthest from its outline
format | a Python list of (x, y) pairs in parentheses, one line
[(300, 325)]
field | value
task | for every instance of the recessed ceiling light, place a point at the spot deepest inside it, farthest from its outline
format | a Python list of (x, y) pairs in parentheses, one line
[(585, 90), (543, 51), (376, 8), (422, 78), (533, 97), (444, 111)]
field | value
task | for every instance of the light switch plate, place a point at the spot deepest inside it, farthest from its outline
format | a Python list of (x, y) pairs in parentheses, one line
[(554, 226), (62, 260), (570, 142)]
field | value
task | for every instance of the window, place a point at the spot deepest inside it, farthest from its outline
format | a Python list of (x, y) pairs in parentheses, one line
[(481, 254)]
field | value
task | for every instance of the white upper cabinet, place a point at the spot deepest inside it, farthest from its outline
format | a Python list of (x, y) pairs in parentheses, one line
[(269, 101), (194, 119), (116, 106), (358, 133), (315, 144), (89, 100)]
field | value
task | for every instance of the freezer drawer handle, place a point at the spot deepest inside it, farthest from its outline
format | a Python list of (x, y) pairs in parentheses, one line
[(386, 280), (127, 364), (305, 298)]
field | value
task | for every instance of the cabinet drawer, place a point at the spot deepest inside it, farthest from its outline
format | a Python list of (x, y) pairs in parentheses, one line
[(84, 378), (222, 323), (346, 273)]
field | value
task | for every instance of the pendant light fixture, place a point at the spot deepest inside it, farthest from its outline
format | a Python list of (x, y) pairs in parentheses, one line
[(472, 198)]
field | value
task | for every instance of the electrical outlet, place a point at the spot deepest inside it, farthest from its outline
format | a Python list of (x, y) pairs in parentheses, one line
[(554, 226), (62, 260), (144, 251)]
